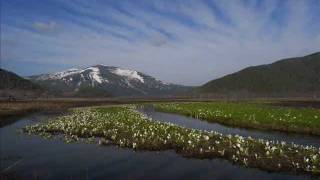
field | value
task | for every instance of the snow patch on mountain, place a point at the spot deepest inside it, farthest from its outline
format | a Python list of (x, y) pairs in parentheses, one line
[(63, 74), (130, 74), (96, 75), (93, 73)]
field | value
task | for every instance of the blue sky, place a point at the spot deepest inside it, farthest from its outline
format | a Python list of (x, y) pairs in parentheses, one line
[(186, 42)]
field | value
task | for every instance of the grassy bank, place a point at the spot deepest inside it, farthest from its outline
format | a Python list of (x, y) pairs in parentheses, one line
[(250, 115), (126, 127)]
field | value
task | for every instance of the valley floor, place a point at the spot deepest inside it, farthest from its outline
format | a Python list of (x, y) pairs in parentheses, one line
[(120, 122), (24, 107)]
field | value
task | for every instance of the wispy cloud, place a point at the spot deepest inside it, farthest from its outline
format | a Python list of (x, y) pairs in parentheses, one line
[(45, 27), (187, 42)]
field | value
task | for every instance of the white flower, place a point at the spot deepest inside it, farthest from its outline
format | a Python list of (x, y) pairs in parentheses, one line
[(134, 145), (267, 153), (206, 138)]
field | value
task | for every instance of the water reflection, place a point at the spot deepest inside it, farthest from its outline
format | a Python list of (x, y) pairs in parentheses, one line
[(53, 159)]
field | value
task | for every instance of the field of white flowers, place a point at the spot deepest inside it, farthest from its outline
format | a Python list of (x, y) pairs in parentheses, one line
[(126, 127)]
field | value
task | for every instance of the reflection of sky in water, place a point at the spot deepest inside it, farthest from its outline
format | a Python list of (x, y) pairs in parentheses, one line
[(53, 159)]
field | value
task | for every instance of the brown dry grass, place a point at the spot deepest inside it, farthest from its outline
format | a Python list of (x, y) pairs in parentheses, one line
[(21, 107), (13, 108)]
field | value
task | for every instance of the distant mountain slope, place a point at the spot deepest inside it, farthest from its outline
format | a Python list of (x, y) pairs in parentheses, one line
[(299, 75), (100, 80), (14, 86), (9, 80)]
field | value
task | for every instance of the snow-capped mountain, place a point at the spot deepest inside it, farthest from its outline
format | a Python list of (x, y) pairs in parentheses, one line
[(100, 80)]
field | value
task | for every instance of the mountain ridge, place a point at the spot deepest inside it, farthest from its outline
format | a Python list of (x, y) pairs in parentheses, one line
[(107, 80), (12, 85), (298, 75), (10, 80)]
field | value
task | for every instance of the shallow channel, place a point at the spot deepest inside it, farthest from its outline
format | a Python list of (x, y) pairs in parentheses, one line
[(194, 123), (32, 157)]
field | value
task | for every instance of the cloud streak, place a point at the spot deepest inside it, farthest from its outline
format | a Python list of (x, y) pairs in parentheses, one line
[(188, 42), (45, 27)]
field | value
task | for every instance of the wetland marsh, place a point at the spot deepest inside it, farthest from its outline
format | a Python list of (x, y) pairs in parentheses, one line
[(126, 127), (250, 115), (139, 139)]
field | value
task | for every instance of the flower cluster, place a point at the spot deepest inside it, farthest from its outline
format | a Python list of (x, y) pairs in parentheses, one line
[(126, 127)]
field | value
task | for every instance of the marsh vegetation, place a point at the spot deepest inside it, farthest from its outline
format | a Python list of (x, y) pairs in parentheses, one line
[(250, 115), (126, 127)]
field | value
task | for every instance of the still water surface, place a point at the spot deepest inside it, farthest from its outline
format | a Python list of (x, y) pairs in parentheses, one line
[(32, 157), (190, 122)]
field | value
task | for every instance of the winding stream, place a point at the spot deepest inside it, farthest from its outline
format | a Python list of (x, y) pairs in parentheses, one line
[(32, 157), (194, 123)]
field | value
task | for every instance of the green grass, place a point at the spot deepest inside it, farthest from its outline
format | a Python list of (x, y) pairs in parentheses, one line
[(250, 115), (126, 127)]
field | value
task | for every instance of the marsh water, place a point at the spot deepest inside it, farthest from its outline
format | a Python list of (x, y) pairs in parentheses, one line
[(194, 123), (32, 157)]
